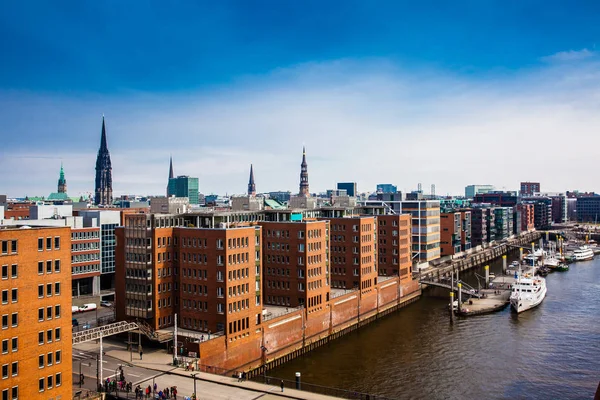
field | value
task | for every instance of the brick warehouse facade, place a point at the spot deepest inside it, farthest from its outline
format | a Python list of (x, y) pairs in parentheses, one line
[(394, 245), (36, 313), (166, 264)]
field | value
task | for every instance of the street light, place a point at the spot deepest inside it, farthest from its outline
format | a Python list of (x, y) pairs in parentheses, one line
[(194, 376)]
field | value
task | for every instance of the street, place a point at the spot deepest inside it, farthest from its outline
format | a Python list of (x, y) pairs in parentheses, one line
[(89, 317), (144, 377)]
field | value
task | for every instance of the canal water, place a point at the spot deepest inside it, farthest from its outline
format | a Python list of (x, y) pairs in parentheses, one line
[(550, 352)]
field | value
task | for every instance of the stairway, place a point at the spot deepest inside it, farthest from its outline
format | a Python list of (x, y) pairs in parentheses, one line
[(152, 334)]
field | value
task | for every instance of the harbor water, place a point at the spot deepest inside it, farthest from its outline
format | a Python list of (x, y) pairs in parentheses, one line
[(550, 352)]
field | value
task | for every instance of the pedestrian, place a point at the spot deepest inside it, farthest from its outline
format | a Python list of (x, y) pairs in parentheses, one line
[(167, 393), (148, 391), (281, 386), (243, 376), (141, 353), (174, 391), (155, 386), (239, 376)]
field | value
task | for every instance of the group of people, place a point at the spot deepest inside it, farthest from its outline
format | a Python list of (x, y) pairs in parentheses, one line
[(154, 392), (241, 376), (114, 385)]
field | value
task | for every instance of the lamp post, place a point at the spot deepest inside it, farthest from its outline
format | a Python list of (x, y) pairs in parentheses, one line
[(194, 376)]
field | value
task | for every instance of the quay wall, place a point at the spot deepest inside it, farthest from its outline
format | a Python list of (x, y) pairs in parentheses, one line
[(288, 336)]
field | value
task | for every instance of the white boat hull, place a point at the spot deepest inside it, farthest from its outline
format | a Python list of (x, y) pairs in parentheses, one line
[(523, 301)]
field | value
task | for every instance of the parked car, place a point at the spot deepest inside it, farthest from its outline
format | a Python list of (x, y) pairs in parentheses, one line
[(75, 322), (105, 303), (88, 307), (74, 309), (86, 326)]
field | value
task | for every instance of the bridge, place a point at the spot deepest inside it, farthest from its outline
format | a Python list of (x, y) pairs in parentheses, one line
[(465, 289)]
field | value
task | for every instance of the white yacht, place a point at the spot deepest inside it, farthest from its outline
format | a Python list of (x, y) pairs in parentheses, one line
[(552, 262), (527, 292), (583, 253)]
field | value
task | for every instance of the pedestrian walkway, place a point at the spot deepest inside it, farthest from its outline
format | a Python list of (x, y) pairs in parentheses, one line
[(161, 361)]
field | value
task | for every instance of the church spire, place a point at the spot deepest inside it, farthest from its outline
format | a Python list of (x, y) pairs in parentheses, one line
[(251, 184), (62, 182), (171, 176), (304, 191), (103, 187), (170, 188), (103, 144)]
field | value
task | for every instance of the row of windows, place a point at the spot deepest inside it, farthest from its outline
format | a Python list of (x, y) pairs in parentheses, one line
[(13, 394), (14, 295), (14, 345), (14, 320), (239, 325), (85, 246), (14, 370), (195, 305), (239, 305), (47, 360), (49, 243), (49, 335), (85, 235), (49, 312), (84, 269), (14, 269), (49, 382), (49, 290), (278, 284), (48, 264), (9, 244)]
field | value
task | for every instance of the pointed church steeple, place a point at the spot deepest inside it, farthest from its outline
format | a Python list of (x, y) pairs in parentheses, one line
[(103, 188), (103, 144), (171, 168), (304, 191), (170, 188), (251, 184), (62, 182)]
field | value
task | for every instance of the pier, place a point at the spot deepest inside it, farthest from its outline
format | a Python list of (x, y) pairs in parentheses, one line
[(443, 272)]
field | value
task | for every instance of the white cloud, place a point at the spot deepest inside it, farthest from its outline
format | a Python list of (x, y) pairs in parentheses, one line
[(569, 56), (369, 123)]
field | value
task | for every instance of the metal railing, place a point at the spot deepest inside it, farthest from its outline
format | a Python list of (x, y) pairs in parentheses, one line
[(325, 390)]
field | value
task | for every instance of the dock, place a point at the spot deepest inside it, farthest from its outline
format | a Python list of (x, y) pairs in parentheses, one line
[(494, 299)]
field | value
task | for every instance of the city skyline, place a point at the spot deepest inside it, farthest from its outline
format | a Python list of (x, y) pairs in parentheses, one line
[(372, 100)]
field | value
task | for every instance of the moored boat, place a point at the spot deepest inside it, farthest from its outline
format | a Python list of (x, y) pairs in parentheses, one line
[(583, 253), (527, 292), (562, 268)]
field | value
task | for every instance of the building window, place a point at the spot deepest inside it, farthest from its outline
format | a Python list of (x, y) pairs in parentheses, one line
[(57, 311), (49, 312), (15, 319), (15, 368), (57, 356), (49, 243), (56, 265), (41, 361), (50, 382), (5, 297), (57, 334), (56, 242), (49, 266), (41, 385), (5, 272), (40, 291), (50, 359), (49, 336), (15, 344), (40, 267), (40, 244), (5, 321), (40, 313), (5, 371), (41, 337), (5, 346), (15, 393), (13, 271), (5, 394), (58, 379), (14, 295)]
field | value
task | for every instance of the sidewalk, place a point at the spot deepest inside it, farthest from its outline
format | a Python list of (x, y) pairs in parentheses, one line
[(160, 361)]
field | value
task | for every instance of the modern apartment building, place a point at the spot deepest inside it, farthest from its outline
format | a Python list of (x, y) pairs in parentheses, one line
[(85, 260), (451, 233), (386, 188), (184, 186), (466, 226), (36, 313), (588, 208), (296, 264), (503, 222), (530, 188), (524, 218), (479, 226), (425, 229), (353, 254), (349, 187), (500, 199), (472, 190), (394, 248)]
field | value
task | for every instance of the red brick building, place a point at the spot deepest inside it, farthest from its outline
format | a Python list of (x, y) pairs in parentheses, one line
[(450, 233), (527, 213), (35, 309), (394, 245), (353, 253), (210, 277), (295, 264)]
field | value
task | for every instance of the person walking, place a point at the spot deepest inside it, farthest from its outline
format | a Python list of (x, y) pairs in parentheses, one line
[(281, 386), (141, 353)]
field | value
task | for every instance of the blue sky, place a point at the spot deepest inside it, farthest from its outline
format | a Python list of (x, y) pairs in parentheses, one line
[(367, 86)]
